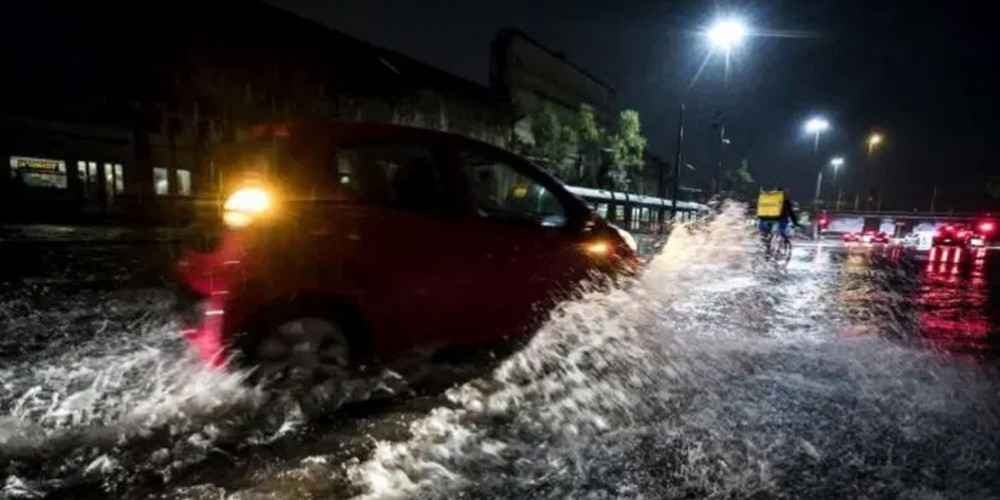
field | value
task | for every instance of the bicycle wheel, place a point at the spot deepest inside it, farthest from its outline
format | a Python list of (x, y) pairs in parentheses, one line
[(783, 250)]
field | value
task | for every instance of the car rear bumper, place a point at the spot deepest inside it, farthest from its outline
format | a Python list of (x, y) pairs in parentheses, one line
[(201, 323), (207, 274)]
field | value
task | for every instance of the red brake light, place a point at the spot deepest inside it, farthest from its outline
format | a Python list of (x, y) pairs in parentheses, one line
[(986, 227)]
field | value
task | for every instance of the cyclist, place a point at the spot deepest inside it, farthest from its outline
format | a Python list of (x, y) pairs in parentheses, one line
[(786, 216)]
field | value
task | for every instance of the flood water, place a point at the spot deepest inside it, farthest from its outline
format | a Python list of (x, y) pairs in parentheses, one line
[(848, 373)]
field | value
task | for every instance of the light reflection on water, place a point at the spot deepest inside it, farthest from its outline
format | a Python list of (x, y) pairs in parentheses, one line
[(957, 301), (710, 377)]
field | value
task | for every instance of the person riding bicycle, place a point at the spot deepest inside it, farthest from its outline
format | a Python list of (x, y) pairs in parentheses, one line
[(776, 206)]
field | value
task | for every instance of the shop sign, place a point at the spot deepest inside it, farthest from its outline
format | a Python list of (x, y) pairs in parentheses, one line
[(38, 172)]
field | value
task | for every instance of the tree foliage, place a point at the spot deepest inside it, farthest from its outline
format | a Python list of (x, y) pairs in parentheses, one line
[(590, 133), (739, 179), (561, 148), (627, 147), (555, 143)]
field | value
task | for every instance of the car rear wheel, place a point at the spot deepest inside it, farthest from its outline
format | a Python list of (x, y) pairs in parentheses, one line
[(301, 352)]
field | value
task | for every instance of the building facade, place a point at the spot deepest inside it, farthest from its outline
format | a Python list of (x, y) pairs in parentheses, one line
[(111, 110)]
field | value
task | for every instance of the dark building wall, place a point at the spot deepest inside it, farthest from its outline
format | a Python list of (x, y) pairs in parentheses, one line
[(173, 80)]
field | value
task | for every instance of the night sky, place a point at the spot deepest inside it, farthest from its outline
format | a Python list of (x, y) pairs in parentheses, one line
[(916, 70)]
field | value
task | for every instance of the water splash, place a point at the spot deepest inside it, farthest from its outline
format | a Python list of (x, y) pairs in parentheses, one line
[(130, 389), (709, 378)]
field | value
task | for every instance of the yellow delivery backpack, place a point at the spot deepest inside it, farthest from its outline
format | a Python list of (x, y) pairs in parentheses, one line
[(769, 204)]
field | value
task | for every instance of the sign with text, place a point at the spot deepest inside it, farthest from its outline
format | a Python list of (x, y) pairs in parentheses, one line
[(38, 172)]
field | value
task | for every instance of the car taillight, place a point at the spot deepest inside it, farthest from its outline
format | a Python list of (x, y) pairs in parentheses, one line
[(987, 227), (245, 205)]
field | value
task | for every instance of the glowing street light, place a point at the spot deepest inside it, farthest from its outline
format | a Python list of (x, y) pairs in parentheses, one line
[(836, 162), (873, 141), (727, 34), (816, 126)]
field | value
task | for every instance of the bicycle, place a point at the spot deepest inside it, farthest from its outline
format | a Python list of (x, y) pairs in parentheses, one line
[(781, 253)]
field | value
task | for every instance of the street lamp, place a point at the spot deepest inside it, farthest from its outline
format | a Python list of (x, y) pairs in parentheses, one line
[(723, 35), (726, 34), (836, 162), (816, 126), (873, 140)]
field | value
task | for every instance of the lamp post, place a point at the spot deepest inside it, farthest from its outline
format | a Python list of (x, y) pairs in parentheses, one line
[(724, 35), (836, 162), (874, 140), (816, 126)]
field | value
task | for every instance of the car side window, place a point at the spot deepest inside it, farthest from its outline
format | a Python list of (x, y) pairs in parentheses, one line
[(399, 176), (500, 191)]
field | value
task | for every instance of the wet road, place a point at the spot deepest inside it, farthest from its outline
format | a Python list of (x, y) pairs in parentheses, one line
[(850, 372)]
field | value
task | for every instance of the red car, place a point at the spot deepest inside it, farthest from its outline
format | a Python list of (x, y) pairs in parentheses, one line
[(951, 235), (983, 233), (875, 238), (341, 244)]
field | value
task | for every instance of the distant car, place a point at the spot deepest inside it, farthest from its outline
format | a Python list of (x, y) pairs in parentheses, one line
[(981, 233), (875, 238), (342, 244), (952, 236), (851, 237)]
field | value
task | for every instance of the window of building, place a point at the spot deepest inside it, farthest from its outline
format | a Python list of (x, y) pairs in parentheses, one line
[(113, 182), (161, 181), (94, 184), (119, 179), (400, 176), (501, 191), (38, 172), (183, 182), (81, 175), (619, 213)]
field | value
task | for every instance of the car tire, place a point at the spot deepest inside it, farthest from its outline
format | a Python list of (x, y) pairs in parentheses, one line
[(300, 346)]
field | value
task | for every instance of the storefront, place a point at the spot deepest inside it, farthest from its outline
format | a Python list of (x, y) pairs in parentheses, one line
[(67, 173)]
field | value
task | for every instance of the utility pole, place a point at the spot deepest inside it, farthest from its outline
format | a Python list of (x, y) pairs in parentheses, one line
[(675, 192)]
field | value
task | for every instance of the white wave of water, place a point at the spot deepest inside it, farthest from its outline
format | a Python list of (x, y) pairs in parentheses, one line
[(705, 378), (125, 383), (711, 375)]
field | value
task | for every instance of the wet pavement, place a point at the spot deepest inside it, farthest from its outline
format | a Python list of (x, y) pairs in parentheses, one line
[(850, 372)]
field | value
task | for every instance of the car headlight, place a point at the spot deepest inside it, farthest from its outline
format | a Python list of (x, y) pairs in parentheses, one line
[(626, 237)]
